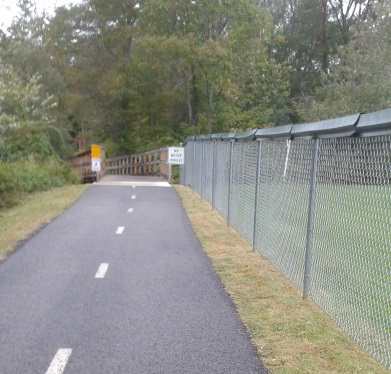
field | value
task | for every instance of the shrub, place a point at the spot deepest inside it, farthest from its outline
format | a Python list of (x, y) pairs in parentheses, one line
[(8, 192), (27, 176), (24, 140)]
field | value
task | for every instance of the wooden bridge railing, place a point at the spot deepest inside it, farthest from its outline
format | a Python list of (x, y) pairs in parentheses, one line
[(80, 163), (147, 163)]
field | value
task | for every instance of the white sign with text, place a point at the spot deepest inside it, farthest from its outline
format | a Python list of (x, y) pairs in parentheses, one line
[(176, 155)]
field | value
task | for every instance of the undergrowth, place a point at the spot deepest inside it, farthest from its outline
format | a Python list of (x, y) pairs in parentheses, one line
[(27, 176)]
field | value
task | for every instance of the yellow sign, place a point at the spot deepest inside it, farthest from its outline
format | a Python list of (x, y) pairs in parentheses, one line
[(95, 151)]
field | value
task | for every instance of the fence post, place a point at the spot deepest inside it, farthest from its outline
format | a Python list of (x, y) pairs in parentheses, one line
[(188, 162), (186, 166), (169, 166), (201, 171), (183, 169), (256, 193), (214, 174), (194, 165), (230, 181), (310, 223)]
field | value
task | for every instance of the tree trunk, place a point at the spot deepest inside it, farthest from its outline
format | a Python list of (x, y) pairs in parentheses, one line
[(323, 35), (188, 97), (209, 95), (128, 47)]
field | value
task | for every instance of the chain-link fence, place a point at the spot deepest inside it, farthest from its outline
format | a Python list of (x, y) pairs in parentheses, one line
[(315, 200)]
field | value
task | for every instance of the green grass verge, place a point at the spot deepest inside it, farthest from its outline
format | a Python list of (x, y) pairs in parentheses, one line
[(34, 211), (291, 335)]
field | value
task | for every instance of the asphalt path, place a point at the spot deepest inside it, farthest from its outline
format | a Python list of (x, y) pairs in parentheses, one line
[(118, 284)]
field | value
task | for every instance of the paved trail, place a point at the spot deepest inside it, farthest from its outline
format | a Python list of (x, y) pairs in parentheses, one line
[(118, 284)]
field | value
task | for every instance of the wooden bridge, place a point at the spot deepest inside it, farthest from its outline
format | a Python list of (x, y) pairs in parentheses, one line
[(150, 163)]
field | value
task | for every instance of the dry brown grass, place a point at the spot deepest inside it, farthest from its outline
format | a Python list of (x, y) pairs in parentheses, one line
[(36, 210), (291, 335)]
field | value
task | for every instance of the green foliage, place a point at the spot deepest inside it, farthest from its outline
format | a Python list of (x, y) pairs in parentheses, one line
[(358, 80), (175, 174), (27, 176), (143, 74), (30, 143), (26, 123), (310, 32), (25, 140), (140, 74)]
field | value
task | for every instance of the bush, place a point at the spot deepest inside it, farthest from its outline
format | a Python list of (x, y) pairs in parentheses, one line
[(8, 193), (175, 174), (27, 176), (24, 140)]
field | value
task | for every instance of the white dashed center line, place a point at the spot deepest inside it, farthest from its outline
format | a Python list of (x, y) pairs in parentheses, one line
[(130, 210), (59, 361), (120, 230), (101, 271), (133, 197), (133, 186)]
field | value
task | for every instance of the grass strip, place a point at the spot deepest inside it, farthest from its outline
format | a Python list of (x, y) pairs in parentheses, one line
[(32, 212), (291, 335)]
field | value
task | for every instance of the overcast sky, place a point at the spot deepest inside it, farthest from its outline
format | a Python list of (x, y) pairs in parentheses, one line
[(8, 9)]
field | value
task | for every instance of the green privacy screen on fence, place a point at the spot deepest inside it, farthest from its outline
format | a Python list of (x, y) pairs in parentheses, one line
[(315, 200)]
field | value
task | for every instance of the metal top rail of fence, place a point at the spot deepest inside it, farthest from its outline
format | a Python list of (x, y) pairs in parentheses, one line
[(368, 124), (315, 200)]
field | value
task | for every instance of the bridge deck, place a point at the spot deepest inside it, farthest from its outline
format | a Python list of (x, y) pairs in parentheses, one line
[(133, 180)]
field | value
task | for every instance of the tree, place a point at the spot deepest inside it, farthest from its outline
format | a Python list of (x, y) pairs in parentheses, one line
[(25, 121), (359, 79), (24, 49), (141, 74), (312, 31), (220, 65)]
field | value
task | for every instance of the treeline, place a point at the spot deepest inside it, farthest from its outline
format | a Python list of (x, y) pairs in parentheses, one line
[(139, 74)]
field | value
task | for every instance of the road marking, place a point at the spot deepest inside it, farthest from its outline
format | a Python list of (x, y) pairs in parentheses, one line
[(133, 197), (101, 271), (130, 210), (59, 361), (133, 186), (120, 230)]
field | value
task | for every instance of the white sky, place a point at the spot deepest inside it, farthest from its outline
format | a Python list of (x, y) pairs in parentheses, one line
[(8, 8)]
